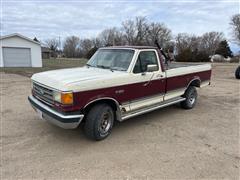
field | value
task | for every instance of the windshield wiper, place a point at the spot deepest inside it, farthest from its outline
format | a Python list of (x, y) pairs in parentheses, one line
[(103, 67), (89, 65), (118, 69)]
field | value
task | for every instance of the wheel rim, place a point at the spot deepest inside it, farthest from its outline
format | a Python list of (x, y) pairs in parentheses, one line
[(192, 98), (105, 123)]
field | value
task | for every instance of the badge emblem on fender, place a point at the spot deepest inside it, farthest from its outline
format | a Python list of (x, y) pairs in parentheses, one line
[(119, 91)]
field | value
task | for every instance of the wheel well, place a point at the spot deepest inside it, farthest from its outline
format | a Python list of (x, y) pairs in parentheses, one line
[(195, 82), (110, 102)]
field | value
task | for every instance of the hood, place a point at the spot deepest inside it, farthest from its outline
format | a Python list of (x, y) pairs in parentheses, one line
[(65, 78)]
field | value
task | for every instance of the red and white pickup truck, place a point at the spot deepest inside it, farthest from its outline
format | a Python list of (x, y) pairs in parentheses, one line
[(116, 84)]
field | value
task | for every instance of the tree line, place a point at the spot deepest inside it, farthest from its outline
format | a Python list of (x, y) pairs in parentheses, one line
[(140, 31)]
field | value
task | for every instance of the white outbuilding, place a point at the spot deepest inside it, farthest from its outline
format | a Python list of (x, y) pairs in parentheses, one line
[(19, 51)]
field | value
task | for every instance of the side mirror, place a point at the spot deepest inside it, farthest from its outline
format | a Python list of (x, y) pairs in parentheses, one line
[(152, 67)]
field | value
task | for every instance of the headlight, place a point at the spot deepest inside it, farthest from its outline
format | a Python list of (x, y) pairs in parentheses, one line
[(63, 97), (57, 96)]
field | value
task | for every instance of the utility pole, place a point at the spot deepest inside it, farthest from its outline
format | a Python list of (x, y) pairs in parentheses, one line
[(59, 42), (60, 48)]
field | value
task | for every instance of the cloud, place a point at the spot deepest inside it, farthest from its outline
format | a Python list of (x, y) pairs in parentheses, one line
[(46, 19)]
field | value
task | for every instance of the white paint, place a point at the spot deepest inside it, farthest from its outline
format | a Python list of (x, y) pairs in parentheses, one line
[(19, 41), (188, 69), (175, 93)]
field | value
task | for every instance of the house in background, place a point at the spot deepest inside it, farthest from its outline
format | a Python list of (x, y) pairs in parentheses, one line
[(219, 58), (46, 52), (17, 50)]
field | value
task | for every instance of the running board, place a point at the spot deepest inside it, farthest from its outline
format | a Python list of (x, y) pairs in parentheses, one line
[(152, 108)]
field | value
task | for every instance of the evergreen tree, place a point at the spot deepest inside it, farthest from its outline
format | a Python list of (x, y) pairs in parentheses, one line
[(224, 49)]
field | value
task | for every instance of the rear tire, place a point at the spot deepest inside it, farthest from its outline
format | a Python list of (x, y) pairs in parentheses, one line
[(99, 122), (191, 98), (237, 73)]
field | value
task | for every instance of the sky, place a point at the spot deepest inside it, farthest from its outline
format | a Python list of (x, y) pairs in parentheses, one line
[(53, 19)]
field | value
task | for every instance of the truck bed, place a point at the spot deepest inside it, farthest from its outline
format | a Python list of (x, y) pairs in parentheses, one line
[(179, 69), (174, 65)]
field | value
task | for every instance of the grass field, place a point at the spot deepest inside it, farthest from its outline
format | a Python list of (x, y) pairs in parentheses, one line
[(48, 64)]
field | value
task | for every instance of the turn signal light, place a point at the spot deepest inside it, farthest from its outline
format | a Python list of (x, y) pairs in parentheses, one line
[(67, 98)]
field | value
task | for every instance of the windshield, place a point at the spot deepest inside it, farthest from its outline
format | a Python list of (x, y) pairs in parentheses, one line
[(114, 59)]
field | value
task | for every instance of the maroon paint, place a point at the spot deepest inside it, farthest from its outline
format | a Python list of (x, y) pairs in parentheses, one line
[(131, 92), (178, 82), (134, 91)]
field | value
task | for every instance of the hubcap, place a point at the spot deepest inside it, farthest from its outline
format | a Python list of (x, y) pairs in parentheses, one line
[(192, 98), (105, 122)]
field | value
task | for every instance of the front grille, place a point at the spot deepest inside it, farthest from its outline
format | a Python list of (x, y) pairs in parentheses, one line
[(43, 94)]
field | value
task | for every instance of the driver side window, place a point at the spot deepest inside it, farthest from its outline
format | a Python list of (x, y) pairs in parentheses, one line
[(145, 58)]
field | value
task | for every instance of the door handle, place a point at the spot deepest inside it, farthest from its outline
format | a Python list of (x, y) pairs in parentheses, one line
[(146, 84), (160, 75)]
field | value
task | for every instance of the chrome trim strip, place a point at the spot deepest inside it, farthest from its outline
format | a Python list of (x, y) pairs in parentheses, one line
[(196, 78), (118, 112), (40, 84), (54, 112), (50, 88), (205, 83), (102, 98), (60, 124), (176, 90), (146, 102), (174, 93), (151, 109), (40, 99), (146, 98)]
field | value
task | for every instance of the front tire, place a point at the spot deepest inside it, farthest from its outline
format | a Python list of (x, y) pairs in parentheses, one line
[(99, 122), (191, 98), (237, 73)]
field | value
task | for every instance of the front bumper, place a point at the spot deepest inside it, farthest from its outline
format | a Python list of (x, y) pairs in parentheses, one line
[(54, 117)]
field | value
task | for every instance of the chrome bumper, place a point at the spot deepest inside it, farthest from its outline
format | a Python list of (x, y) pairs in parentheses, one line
[(54, 117)]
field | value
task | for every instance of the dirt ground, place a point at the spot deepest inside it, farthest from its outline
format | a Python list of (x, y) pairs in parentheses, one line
[(167, 143)]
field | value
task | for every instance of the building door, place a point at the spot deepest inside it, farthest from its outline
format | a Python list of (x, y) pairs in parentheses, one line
[(16, 57)]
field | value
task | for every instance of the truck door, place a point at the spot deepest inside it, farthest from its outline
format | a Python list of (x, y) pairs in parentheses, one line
[(150, 86)]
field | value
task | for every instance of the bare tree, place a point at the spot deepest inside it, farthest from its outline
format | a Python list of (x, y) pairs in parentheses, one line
[(135, 31), (129, 30), (159, 32), (210, 41), (235, 24), (142, 30), (85, 46), (197, 48), (97, 42), (111, 37), (52, 44), (71, 46), (186, 41)]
